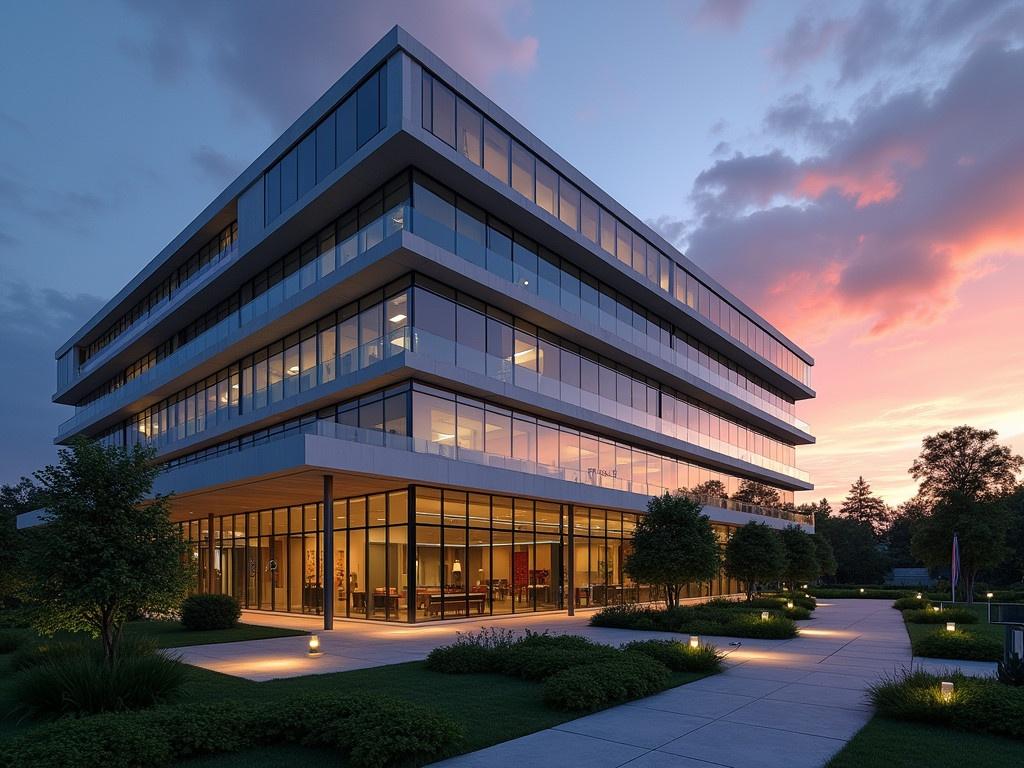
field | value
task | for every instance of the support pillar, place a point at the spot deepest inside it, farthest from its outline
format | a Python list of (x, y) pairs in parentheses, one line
[(329, 587), (571, 565), (211, 573)]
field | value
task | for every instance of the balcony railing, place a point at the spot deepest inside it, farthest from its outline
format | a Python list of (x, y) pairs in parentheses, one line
[(369, 437)]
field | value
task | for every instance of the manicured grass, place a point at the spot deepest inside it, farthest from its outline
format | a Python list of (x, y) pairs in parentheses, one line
[(490, 708), (982, 629), (170, 634), (886, 743)]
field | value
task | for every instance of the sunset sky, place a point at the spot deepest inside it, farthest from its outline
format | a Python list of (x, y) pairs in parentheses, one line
[(853, 170)]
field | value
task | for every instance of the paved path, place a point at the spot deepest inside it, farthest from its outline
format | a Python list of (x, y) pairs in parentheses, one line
[(791, 704)]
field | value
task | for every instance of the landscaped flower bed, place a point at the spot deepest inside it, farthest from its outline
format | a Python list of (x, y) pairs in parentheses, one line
[(577, 674)]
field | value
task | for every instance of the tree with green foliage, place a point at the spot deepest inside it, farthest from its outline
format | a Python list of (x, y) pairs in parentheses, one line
[(968, 480), (673, 544), (898, 536), (859, 560), (981, 528), (965, 464), (753, 492), (825, 555), (861, 504), (801, 555), (15, 500), (106, 550), (755, 555), (824, 509), (714, 489)]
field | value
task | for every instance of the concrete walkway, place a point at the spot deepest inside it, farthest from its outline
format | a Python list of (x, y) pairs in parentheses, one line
[(791, 704)]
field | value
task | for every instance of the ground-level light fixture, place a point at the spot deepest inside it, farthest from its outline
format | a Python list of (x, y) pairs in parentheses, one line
[(314, 645), (694, 641), (935, 608), (803, 586), (951, 626), (989, 595), (765, 615), (946, 690), (862, 590), (789, 604), (918, 595)]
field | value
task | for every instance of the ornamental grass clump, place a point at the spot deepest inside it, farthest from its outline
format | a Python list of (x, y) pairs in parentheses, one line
[(976, 704), (957, 615), (677, 656), (79, 680)]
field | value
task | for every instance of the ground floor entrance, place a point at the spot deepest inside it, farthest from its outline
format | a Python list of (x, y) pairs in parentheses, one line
[(420, 553)]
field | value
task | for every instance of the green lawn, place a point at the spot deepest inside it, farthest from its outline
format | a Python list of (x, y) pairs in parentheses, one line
[(170, 634), (887, 743), (490, 708), (982, 629)]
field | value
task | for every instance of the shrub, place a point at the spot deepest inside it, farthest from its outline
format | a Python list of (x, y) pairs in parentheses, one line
[(34, 653), (590, 686), (471, 652), (84, 683), (540, 661), (912, 603), (679, 657), (977, 704), (203, 612), (958, 645), (959, 615), (1011, 671), (104, 741), (797, 613), (372, 731)]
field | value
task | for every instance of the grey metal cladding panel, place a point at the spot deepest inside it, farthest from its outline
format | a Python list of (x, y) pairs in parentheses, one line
[(498, 115), (187, 239), (250, 215)]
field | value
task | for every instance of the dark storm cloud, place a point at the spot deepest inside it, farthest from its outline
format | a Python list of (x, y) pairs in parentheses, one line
[(279, 59)]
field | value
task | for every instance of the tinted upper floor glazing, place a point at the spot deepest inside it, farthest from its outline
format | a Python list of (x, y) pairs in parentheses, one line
[(454, 223)]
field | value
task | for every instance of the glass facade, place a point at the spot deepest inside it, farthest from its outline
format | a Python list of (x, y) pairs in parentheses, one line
[(434, 321), (460, 227), (222, 246), (458, 124), (424, 554), (332, 141)]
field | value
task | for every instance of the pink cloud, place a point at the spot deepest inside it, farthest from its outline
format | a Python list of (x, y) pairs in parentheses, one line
[(886, 223)]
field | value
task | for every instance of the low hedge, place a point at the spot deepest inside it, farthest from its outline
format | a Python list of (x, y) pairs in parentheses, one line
[(869, 593), (978, 704), (206, 612), (929, 616), (911, 603), (679, 657), (371, 731), (592, 686), (960, 644), (731, 620), (539, 662)]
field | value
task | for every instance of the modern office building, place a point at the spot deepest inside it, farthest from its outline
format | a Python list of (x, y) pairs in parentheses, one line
[(413, 365)]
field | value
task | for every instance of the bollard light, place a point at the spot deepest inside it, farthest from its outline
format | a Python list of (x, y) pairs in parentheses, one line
[(951, 626), (862, 590), (789, 603), (935, 608), (803, 586), (806, 594), (314, 645), (765, 615), (989, 595), (918, 595), (694, 641), (946, 691)]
